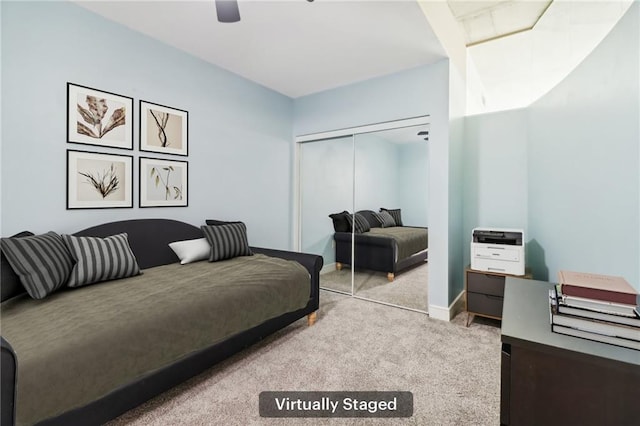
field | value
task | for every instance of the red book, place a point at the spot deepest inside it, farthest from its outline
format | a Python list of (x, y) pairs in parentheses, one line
[(599, 287)]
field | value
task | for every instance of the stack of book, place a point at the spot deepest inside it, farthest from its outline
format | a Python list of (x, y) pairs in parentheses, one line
[(596, 307)]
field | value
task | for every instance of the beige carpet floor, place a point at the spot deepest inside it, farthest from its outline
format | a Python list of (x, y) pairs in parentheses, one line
[(408, 289), (453, 371)]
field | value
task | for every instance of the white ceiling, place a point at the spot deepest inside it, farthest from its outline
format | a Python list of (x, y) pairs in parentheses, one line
[(294, 47)]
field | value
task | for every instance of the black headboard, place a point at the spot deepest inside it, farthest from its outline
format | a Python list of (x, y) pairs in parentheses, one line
[(149, 238)]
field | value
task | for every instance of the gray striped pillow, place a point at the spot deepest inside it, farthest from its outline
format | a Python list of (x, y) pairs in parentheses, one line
[(385, 219), (100, 259), (42, 262), (358, 223), (396, 214), (227, 241)]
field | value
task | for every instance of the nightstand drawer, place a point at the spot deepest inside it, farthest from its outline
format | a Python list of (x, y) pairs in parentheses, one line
[(484, 304), (478, 282)]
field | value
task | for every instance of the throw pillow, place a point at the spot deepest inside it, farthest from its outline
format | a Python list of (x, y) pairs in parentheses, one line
[(395, 213), (358, 223), (100, 259), (11, 286), (42, 262), (370, 215), (215, 222), (340, 222), (227, 241), (385, 219), (191, 250)]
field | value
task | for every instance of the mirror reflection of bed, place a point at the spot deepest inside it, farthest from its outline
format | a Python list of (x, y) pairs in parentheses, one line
[(391, 172), (371, 174)]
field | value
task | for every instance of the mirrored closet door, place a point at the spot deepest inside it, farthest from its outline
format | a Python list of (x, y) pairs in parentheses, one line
[(391, 194), (326, 195), (363, 206)]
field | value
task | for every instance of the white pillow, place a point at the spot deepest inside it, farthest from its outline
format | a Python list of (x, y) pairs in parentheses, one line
[(191, 250)]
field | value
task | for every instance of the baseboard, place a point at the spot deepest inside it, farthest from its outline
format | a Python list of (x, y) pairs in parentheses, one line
[(328, 268), (448, 313)]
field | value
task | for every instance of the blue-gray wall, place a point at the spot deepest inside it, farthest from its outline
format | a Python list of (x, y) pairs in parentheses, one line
[(413, 183), (567, 168), (495, 173), (376, 173), (583, 163), (326, 187), (239, 132)]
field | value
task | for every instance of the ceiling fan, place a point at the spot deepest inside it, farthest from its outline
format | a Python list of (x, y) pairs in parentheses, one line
[(228, 10)]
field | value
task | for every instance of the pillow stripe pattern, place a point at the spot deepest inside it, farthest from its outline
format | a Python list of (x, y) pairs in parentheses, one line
[(385, 218), (358, 223), (396, 214), (42, 262), (100, 259), (227, 241)]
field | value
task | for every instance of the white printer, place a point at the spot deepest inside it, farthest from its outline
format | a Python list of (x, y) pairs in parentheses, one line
[(498, 250)]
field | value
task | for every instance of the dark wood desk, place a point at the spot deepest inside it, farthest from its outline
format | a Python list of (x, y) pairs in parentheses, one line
[(552, 379)]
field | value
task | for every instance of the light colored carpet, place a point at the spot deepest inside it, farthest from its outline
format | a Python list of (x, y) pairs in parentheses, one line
[(409, 288), (453, 371)]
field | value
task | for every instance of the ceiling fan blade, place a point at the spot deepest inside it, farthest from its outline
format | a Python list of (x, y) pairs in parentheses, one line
[(228, 10)]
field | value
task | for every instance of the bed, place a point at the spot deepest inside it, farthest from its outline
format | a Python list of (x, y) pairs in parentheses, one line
[(86, 355)]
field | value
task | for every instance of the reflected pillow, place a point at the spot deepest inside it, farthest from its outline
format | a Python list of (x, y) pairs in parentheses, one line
[(227, 241), (395, 213), (215, 222), (385, 219), (358, 223), (340, 222), (100, 259), (191, 250), (42, 262), (370, 215)]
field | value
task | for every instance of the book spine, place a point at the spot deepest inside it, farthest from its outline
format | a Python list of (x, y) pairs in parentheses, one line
[(602, 316), (599, 306), (596, 326), (593, 293), (596, 337)]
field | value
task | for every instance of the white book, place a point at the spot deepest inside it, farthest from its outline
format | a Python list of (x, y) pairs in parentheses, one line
[(599, 306), (588, 313), (596, 337), (595, 326)]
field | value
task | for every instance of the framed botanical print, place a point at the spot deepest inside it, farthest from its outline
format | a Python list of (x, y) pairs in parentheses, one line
[(163, 129), (98, 181), (163, 183), (96, 117)]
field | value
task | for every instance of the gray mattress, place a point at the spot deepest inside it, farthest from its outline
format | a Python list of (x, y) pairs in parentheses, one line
[(78, 345), (409, 240)]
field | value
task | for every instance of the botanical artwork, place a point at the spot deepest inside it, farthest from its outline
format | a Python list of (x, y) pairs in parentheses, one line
[(163, 182), (163, 129), (98, 180), (101, 179), (101, 118)]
